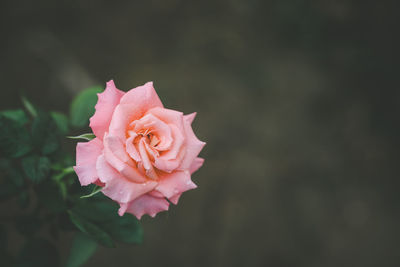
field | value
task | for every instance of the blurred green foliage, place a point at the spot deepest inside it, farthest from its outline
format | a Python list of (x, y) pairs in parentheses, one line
[(37, 174), (82, 248)]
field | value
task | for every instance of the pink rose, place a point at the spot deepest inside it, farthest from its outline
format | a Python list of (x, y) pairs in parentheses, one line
[(143, 153)]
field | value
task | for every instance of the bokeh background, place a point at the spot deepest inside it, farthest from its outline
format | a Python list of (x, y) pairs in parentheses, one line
[(298, 102)]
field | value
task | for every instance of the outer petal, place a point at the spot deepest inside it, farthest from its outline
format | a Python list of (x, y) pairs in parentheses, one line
[(175, 183), (196, 164), (145, 204), (190, 117), (117, 187), (133, 105), (175, 198), (86, 157), (193, 144), (105, 106)]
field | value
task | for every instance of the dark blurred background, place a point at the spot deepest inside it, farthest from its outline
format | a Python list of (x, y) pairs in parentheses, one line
[(298, 102)]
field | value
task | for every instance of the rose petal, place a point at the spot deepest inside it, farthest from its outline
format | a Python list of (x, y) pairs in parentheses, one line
[(190, 117), (133, 106), (115, 153), (86, 157), (178, 140), (99, 183), (168, 116), (151, 151), (171, 159), (145, 204), (122, 208), (107, 101), (175, 199), (131, 149), (175, 183), (196, 164), (150, 172), (193, 144), (155, 193), (117, 187), (151, 124)]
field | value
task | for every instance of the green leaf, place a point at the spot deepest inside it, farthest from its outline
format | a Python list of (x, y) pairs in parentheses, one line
[(64, 223), (11, 173), (63, 172), (82, 107), (61, 121), (87, 136), (50, 195), (15, 141), (96, 190), (83, 247), (125, 229), (91, 229), (104, 213), (36, 168), (97, 210), (45, 134), (28, 224), (38, 252), (29, 107), (17, 115)]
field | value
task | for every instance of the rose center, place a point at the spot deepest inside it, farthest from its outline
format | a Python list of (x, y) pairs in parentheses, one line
[(150, 138)]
